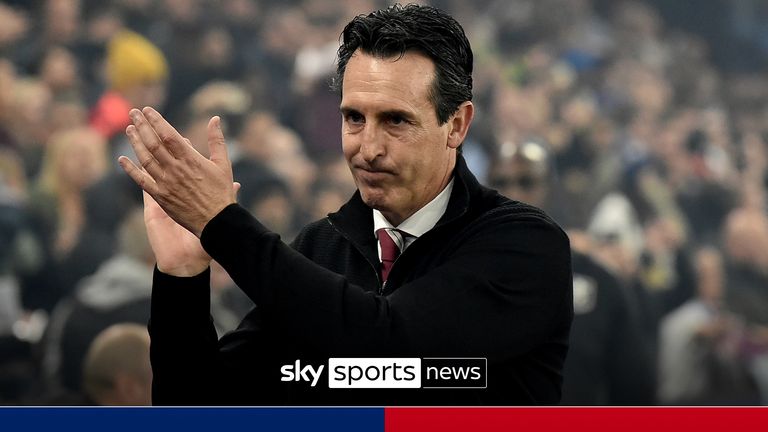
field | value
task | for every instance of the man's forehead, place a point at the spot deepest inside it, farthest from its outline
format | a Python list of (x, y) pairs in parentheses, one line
[(407, 78), (412, 62)]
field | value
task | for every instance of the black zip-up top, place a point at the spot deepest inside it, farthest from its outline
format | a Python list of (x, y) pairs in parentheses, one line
[(492, 279)]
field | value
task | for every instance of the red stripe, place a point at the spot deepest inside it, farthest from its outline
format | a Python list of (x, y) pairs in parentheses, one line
[(661, 419)]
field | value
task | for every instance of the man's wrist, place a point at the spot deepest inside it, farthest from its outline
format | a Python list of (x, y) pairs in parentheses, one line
[(197, 230), (187, 270)]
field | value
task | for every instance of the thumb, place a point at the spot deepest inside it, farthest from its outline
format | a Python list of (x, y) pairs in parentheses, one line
[(216, 144), (148, 200), (152, 209)]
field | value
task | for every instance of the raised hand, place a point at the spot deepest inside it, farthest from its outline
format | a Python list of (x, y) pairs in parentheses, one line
[(188, 187)]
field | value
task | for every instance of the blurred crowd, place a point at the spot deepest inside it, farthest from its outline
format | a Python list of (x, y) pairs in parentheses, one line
[(652, 155)]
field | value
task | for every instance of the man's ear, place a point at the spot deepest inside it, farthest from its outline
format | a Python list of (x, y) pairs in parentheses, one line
[(459, 123)]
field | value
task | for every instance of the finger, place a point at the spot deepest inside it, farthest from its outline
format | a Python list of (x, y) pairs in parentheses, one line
[(141, 178), (171, 139), (216, 143), (145, 158), (146, 134)]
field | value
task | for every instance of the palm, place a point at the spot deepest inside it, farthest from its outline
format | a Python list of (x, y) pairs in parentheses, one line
[(177, 250)]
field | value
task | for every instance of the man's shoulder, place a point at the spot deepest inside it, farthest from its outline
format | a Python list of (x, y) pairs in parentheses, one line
[(496, 209), (508, 208)]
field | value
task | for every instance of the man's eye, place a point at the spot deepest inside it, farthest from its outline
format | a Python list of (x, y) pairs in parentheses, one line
[(396, 120), (355, 118)]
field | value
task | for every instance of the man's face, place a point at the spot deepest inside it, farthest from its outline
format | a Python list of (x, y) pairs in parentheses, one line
[(399, 156)]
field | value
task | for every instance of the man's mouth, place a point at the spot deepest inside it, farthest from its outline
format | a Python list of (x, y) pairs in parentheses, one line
[(374, 171)]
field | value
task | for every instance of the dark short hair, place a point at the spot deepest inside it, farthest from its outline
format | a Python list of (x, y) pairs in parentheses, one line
[(398, 29)]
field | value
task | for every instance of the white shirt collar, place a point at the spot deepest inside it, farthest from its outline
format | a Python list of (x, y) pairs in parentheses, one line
[(418, 223)]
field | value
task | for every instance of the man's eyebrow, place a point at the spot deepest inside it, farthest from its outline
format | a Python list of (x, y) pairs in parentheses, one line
[(393, 113), (387, 114), (347, 110)]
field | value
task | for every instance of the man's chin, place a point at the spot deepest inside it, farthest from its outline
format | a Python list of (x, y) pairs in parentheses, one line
[(374, 200)]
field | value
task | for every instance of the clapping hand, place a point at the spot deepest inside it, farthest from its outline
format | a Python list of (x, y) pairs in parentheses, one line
[(183, 189)]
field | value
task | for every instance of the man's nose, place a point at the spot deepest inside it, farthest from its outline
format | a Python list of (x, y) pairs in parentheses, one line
[(372, 145)]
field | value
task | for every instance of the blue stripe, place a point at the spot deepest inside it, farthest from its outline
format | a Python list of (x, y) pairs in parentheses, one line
[(28, 419)]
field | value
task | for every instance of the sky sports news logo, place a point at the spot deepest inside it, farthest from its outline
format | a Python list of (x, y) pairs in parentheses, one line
[(389, 373)]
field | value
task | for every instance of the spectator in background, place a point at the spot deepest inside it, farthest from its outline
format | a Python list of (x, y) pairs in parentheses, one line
[(746, 246), (523, 172), (609, 360), (616, 238), (699, 359), (27, 121), (74, 159), (665, 270), (52, 23), (60, 72), (705, 196), (136, 74), (281, 150), (226, 97), (62, 21), (14, 24), (116, 370), (213, 60), (587, 160)]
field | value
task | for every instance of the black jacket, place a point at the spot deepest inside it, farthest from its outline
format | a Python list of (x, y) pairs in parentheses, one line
[(492, 279), (610, 361)]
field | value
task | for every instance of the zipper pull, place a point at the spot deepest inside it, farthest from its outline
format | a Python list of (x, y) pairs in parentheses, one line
[(383, 287)]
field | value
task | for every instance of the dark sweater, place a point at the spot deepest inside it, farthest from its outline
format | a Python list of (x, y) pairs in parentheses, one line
[(492, 279), (610, 362)]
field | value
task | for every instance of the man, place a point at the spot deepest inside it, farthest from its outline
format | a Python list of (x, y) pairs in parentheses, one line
[(609, 362), (478, 276), (116, 370), (700, 362)]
